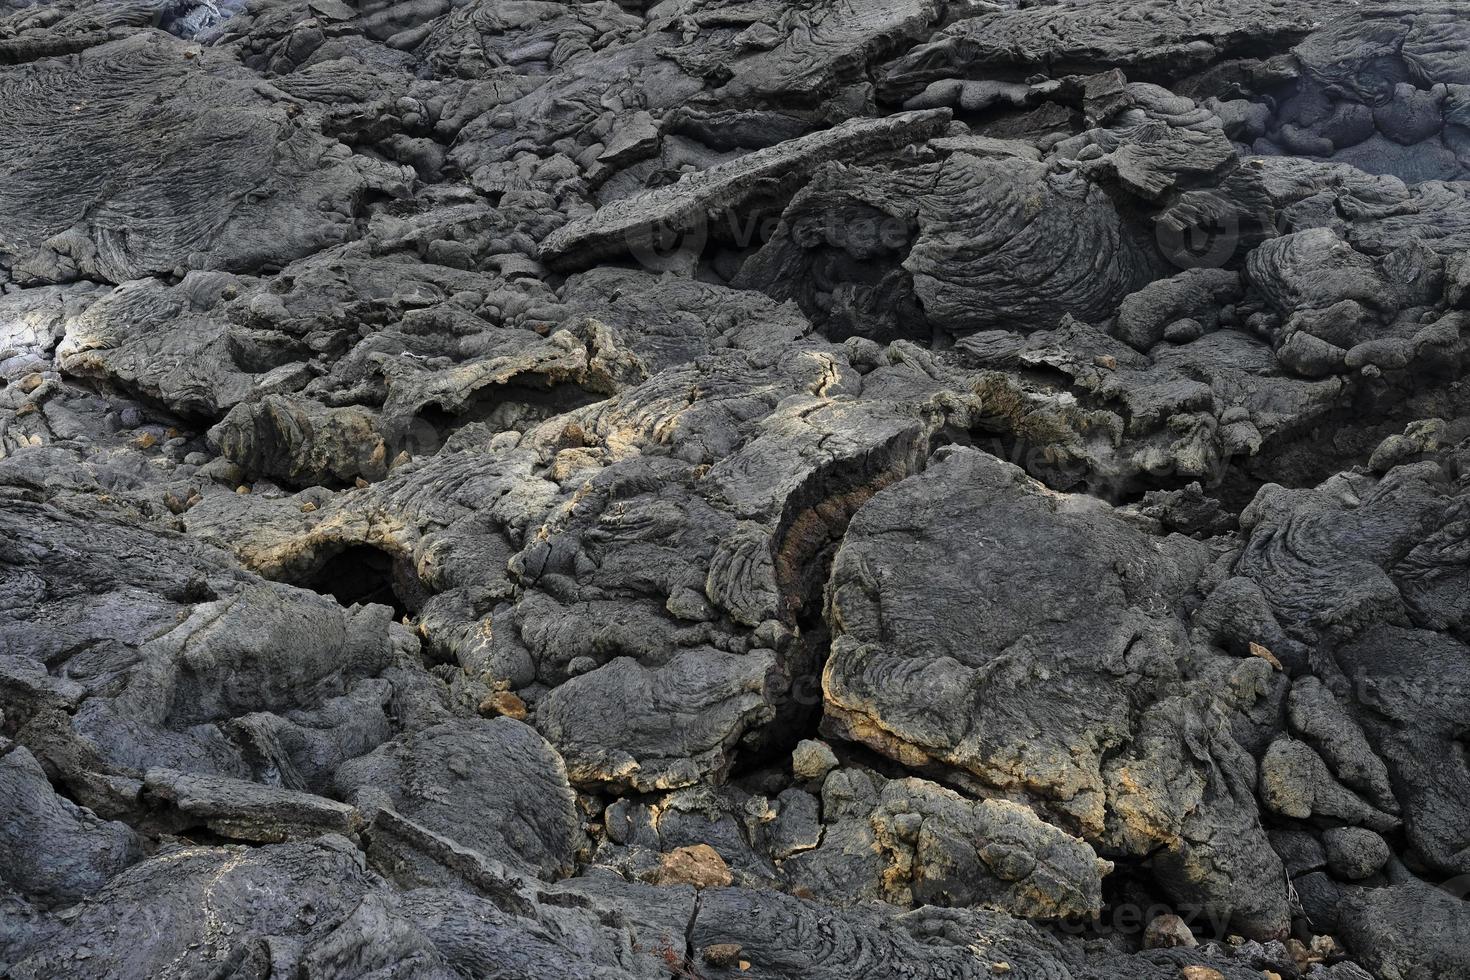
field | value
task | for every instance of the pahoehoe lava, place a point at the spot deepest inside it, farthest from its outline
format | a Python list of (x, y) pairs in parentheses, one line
[(788, 489)]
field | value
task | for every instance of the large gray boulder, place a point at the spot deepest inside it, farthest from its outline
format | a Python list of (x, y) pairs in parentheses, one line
[(1057, 678)]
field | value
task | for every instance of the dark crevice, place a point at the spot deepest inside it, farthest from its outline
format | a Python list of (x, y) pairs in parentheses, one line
[(362, 574), (1132, 899), (812, 528)]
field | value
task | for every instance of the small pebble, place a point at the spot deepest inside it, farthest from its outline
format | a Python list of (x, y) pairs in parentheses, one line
[(504, 703), (812, 760), (1168, 932), (721, 954)]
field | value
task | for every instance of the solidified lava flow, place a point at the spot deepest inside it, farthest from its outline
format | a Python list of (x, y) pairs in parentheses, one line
[(735, 489)]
